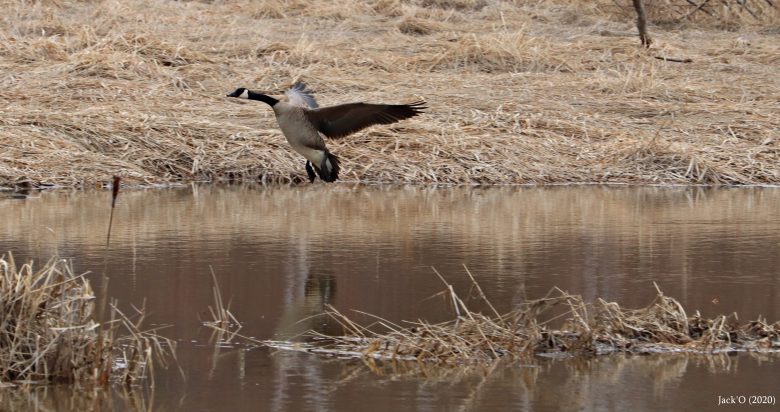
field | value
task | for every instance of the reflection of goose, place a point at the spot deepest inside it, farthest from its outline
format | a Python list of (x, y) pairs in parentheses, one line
[(304, 124), (305, 294), (299, 314), (307, 313)]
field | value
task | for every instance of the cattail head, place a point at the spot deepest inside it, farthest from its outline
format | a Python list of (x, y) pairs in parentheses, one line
[(115, 190)]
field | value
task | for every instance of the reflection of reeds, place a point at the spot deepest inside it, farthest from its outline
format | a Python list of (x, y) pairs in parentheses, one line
[(225, 327), (48, 332), (630, 225), (557, 324), (47, 398), (390, 211)]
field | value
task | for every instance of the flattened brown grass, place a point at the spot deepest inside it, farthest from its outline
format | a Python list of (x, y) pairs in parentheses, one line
[(519, 92)]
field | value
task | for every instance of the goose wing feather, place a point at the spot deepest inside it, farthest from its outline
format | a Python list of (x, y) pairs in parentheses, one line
[(345, 119), (300, 95)]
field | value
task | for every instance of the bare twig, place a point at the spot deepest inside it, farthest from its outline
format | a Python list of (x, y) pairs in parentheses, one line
[(673, 59), (698, 7), (744, 5)]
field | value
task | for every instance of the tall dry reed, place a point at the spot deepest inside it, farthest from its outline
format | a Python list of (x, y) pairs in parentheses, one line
[(48, 330)]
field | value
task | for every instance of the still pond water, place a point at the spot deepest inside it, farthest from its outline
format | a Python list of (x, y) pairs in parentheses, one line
[(281, 254)]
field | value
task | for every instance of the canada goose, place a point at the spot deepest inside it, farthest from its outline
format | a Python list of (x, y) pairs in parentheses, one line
[(303, 123)]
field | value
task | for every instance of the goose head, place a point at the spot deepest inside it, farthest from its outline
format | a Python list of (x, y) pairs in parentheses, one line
[(241, 92)]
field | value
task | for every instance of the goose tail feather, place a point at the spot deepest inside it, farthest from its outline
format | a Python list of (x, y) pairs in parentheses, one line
[(329, 169)]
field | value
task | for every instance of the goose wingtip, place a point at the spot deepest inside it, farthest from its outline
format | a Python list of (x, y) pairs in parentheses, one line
[(418, 106)]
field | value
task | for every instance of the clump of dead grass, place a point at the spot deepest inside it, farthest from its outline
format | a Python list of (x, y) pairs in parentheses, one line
[(48, 331), (557, 324), (454, 4), (494, 52), (416, 26)]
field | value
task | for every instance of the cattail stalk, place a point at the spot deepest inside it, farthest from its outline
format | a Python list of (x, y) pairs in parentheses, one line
[(114, 194)]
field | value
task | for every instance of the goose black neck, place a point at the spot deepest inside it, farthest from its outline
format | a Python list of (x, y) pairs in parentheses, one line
[(262, 97)]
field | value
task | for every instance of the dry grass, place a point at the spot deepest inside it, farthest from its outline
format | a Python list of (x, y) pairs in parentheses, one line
[(221, 317), (48, 331), (541, 91), (557, 324)]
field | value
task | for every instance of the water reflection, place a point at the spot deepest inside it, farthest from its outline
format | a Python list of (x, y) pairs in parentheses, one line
[(67, 398), (281, 254), (303, 382), (307, 293), (305, 299), (620, 382)]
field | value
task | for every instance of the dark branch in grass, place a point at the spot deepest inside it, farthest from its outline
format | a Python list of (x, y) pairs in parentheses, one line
[(672, 59), (743, 4), (698, 7)]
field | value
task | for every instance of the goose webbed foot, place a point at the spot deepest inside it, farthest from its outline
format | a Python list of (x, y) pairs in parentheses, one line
[(310, 172)]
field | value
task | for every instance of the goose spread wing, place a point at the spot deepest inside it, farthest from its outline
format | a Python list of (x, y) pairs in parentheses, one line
[(299, 95), (345, 119)]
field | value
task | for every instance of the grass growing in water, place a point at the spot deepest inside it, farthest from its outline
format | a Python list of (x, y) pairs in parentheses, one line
[(557, 324), (48, 331)]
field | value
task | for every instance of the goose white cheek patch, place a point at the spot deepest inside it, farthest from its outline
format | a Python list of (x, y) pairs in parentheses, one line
[(244, 94)]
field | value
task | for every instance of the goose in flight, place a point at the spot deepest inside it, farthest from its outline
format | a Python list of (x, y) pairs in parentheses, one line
[(304, 124)]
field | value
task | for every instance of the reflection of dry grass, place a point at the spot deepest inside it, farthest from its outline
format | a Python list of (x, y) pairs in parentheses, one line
[(582, 329), (514, 218), (66, 397), (48, 332), (520, 92)]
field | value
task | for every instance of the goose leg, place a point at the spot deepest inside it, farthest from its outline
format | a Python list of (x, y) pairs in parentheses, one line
[(310, 172)]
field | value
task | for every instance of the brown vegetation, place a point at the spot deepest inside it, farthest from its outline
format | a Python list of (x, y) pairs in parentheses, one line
[(583, 329), (48, 331), (519, 91)]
